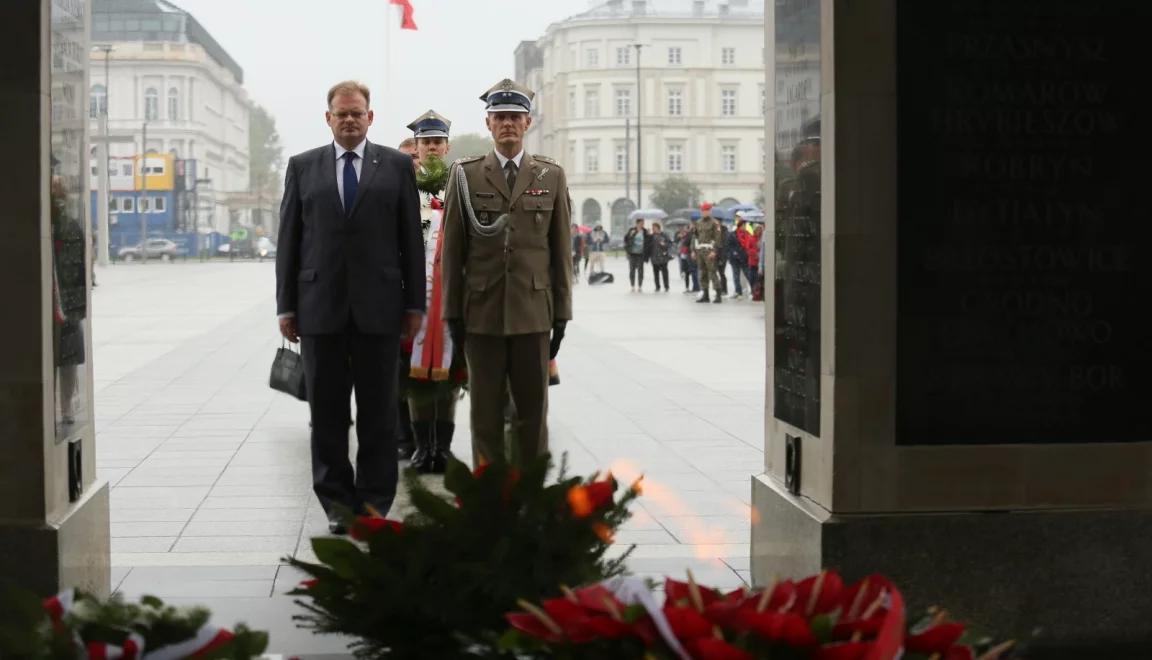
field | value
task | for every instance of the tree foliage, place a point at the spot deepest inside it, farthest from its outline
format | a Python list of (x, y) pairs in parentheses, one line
[(265, 154), (675, 192)]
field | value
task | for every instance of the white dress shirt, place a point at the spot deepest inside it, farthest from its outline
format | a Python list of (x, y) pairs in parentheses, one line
[(516, 159), (357, 164)]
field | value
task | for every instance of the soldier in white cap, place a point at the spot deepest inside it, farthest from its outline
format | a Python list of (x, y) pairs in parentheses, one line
[(435, 368)]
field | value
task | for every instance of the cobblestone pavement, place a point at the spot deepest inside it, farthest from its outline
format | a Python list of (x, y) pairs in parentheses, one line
[(210, 468)]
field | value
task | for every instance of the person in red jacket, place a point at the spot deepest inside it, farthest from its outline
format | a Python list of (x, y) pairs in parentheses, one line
[(752, 246)]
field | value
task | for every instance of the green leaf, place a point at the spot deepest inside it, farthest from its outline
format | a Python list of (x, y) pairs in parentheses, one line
[(341, 554), (433, 506), (822, 626), (457, 477)]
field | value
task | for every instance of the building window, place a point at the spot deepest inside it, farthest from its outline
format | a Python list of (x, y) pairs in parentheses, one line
[(592, 58), (674, 55), (728, 55), (113, 205), (763, 100), (675, 158), (126, 169), (571, 103), (128, 205), (728, 102), (763, 157), (592, 102), (728, 158), (571, 153), (151, 104), (156, 205), (621, 158), (144, 204), (623, 102), (591, 156), (624, 56), (173, 104), (98, 101), (675, 102)]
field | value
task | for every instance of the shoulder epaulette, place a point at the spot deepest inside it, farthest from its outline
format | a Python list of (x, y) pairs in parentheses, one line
[(546, 159), (466, 159)]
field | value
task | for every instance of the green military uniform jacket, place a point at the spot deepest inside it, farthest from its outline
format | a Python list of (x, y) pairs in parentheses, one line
[(708, 233), (518, 281)]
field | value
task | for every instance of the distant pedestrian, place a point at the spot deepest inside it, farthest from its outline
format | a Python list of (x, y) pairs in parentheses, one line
[(722, 257), (579, 250), (597, 243), (706, 246), (755, 261), (660, 254), (637, 246), (738, 256), (688, 269)]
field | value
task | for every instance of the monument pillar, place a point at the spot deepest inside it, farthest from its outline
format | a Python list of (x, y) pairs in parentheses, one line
[(53, 511), (957, 392)]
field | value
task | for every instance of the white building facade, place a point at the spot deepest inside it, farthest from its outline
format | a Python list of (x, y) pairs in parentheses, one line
[(700, 103), (167, 77)]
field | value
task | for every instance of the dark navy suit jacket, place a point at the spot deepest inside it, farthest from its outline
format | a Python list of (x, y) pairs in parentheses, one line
[(366, 267)]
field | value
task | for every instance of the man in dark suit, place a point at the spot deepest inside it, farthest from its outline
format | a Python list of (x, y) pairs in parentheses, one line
[(349, 285)]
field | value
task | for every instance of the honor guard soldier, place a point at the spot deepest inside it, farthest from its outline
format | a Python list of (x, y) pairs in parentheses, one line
[(707, 245), (507, 270), (435, 368)]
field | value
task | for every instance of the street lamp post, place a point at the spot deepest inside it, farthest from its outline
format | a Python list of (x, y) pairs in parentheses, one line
[(639, 110), (104, 188), (144, 195)]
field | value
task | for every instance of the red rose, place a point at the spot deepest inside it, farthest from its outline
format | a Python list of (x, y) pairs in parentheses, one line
[(710, 648), (818, 594), (844, 651), (366, 527), (533, 626), (308, 584), (680, 593), (687, 623), (584, 500), (600, 492), (787, 627)]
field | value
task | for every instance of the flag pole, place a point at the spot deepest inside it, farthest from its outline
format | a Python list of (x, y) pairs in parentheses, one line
[(389, 18)]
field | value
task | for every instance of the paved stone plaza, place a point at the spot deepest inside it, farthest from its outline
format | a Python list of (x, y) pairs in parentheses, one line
[(210, 468)]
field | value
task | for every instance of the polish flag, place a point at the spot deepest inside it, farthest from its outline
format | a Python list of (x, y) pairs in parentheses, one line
[(406, 23)]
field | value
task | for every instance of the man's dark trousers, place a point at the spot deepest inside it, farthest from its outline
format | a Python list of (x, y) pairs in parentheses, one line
[(367, 364)]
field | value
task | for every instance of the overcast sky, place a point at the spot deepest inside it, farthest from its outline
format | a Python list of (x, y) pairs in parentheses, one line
[(292, 51)]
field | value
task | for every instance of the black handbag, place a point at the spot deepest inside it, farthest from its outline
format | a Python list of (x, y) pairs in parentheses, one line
[(288, 373)]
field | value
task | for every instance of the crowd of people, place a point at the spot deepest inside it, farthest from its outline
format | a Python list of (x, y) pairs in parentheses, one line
[(705, 249)]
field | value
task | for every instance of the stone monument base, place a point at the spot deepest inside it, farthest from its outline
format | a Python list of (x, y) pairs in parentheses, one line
[(73, 552), (1064, 583)]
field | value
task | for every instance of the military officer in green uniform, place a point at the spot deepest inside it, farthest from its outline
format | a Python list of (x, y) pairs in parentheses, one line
[(506, 268), (707, 245)]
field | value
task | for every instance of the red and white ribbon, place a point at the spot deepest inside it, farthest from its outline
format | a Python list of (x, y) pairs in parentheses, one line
[(206, 640), (432, 348)]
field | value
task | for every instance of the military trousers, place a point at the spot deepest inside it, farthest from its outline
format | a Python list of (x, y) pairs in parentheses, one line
[(706, 260), (498, 366)]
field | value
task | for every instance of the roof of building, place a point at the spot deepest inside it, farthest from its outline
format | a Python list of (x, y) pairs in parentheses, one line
[(156, 20), (674, 8)]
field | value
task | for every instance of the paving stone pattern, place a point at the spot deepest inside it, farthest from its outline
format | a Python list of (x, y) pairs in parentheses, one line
[(210, 468)]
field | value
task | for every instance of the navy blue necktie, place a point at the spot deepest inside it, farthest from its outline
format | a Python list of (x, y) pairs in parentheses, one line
[(350, 181)]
